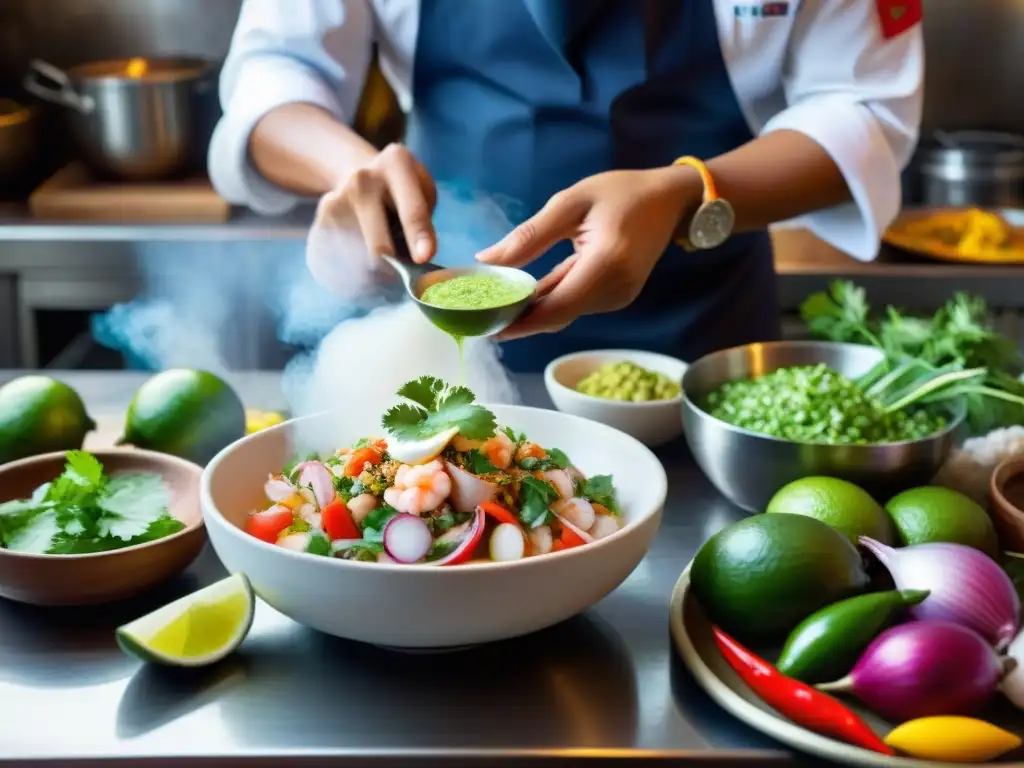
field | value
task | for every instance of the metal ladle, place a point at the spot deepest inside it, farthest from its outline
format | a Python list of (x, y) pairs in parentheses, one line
[(458, 322)]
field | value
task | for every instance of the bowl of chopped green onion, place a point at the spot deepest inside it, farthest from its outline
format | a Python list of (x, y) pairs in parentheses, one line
[(760, 416)]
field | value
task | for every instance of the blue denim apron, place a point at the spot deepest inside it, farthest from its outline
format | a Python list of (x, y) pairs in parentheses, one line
[(502, 105)]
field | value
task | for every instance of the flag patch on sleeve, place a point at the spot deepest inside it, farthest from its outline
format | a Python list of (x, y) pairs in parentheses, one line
[(897, 16)]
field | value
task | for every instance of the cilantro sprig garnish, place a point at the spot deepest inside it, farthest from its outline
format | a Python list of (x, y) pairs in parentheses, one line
[(84, 511), (599, 489), (435, 406)]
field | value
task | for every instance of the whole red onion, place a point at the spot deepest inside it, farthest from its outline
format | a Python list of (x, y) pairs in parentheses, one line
[(922, 669), (965, 586)]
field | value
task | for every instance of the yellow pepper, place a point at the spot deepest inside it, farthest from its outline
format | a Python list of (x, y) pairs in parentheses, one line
[(255, 421), (952, 739)]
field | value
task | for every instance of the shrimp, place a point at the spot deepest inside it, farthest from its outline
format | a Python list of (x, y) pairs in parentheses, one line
[(561, 481), (419, 489), (464, 444), (530, 450), (498, 450)]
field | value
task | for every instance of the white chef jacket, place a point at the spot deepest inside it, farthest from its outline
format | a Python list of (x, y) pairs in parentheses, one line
[(824, 69)]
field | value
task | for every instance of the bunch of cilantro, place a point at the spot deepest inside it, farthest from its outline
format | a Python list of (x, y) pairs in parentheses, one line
[(83, 511), (954, 354)]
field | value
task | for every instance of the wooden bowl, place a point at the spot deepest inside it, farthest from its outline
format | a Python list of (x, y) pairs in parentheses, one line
[(104, 576), (1007, 489)]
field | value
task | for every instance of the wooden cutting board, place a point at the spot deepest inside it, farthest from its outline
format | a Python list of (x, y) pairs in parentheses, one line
[(73, 194)]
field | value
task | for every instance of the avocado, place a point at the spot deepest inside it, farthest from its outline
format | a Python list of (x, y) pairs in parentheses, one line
[(758, 578)]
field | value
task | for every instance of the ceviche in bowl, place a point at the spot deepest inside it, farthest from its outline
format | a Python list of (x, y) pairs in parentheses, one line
[(443, 522)]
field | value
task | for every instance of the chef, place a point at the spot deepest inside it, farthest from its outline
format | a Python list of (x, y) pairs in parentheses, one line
[(651, 143)]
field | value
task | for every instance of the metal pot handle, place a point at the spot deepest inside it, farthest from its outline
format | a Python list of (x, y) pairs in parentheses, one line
[(62, 92)]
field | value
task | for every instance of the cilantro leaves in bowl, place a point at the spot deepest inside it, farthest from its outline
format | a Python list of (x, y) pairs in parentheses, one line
[(79, 528), (84, 511)]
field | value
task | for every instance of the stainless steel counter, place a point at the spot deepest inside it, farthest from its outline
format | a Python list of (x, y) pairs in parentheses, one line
[(605, 686)]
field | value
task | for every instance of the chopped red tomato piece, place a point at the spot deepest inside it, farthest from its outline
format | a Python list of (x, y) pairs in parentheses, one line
[(359, 458), (338, 523), (498, 512), (570, 538), (268, 524)]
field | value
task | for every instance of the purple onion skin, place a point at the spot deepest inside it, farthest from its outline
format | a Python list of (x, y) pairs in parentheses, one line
[(927, 668), (967, 587)]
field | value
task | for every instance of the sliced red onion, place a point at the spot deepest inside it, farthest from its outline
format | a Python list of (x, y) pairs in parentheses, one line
[(922, 669), (468, 490), (967, 586), (407, 538), (578, 531), (467, 535), (278, 488), (319, 478), (579, 512)]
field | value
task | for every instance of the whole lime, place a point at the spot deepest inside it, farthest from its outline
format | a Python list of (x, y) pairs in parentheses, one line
[(933, 513), (841, 504), (40, 415), (186, 413), (760, 577)]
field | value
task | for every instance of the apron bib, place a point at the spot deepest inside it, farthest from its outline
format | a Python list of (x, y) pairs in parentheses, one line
[(508, 104)]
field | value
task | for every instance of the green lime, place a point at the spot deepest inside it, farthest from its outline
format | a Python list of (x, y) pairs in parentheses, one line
[(933, 513), (843, 505), (40, 415), (191, 414), (195, 630), (760, 577)]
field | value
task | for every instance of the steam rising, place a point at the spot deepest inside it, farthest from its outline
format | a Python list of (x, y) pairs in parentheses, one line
[(367, 339)]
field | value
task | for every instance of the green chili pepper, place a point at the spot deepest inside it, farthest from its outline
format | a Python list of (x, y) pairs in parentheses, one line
[(826, 644)]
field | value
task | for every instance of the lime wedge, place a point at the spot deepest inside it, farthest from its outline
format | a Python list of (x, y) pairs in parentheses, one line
[(194, 630)]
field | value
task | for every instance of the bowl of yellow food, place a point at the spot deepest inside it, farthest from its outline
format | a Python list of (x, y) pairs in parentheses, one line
[(636, 392)]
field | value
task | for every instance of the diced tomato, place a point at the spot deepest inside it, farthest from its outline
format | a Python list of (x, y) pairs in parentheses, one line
[(557, 545), (338, 523), (268, 524), (358, 460), (600, 509), (570, 538), (498, 512)]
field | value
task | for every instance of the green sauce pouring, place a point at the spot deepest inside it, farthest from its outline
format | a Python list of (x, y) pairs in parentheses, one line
[(472, 292)]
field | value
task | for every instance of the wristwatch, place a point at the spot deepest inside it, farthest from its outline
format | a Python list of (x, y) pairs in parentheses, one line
[(713, 221)]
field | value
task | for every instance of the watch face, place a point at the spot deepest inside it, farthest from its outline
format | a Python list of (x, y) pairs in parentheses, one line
[(712, 224)]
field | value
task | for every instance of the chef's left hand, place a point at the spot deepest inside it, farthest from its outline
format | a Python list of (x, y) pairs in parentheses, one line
[(619, 222)]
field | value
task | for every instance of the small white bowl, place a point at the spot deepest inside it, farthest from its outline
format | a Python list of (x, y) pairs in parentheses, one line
[(652, 423), (425, 606)]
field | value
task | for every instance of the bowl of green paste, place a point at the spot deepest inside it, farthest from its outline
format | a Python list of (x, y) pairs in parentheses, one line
[(636, 392)]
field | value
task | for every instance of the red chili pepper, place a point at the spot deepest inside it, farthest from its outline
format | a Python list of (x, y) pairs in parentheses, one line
[(802, 704)]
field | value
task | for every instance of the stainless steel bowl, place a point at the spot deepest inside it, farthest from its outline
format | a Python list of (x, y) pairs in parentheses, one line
[(748, 468)]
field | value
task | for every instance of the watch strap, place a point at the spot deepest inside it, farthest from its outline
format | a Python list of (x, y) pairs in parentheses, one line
[(710, 195)]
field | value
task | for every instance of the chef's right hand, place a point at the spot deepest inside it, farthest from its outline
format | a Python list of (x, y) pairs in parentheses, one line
[(391, 180)]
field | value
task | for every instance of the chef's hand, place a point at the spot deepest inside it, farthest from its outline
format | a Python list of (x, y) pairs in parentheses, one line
[(392, 179), (619, 222)]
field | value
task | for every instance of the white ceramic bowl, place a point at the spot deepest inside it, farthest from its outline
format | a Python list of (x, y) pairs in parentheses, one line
[(654, 423), (423, 606)]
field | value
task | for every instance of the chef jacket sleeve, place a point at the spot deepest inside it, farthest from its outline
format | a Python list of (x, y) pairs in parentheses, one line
[(858, 95), (285, 52)]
